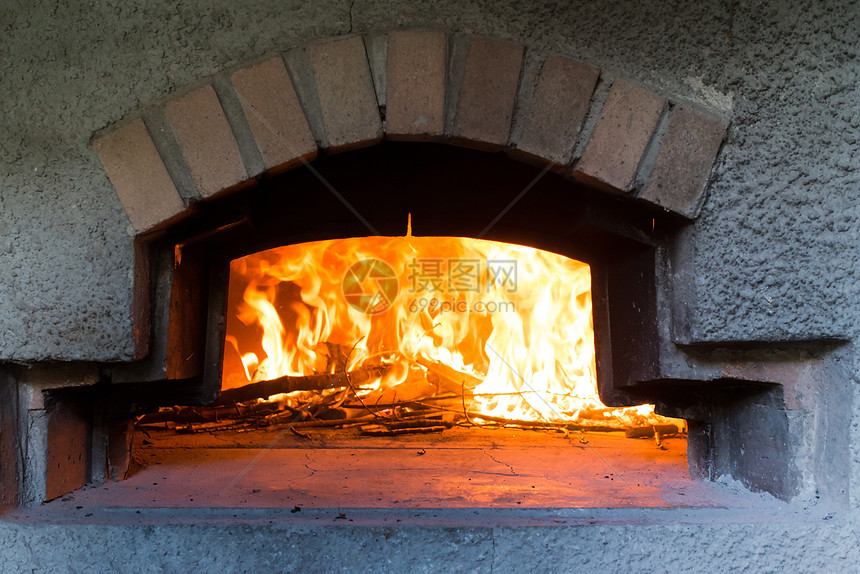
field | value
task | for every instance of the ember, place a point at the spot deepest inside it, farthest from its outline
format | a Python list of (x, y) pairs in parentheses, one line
[(438, 330)]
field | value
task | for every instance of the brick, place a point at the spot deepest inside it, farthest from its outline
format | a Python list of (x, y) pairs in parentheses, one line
[(415, 107), (558, 109), (274, 114), (138, 176), (8, 445), (207, 143), (490, 81), (684, 161), (346, 95), (621, 136), (67, 454)]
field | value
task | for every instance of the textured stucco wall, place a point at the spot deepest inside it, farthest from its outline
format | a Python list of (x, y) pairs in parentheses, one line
[(775, 247)]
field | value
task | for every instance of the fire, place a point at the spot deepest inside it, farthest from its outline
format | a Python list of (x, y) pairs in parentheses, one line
[(504, 331)]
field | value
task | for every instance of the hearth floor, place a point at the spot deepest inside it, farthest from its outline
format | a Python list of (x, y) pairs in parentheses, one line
[(460, 468)]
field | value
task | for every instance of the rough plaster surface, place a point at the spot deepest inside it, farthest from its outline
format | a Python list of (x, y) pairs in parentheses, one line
[(775, 247)]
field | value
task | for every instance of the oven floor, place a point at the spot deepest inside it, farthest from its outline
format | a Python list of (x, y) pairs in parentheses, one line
[(459, 468)]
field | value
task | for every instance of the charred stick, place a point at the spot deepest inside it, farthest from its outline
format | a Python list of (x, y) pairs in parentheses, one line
[(545, 424), (181, 414), (332, 423), (380, 430), (514, 422), (289, 384)]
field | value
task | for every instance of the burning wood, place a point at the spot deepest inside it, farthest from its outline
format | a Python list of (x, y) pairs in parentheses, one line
[(505, 329), (290, 384), (447, 378)]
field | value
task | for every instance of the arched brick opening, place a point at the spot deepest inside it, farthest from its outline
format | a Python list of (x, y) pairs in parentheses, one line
[(271, 116), (268, 117)]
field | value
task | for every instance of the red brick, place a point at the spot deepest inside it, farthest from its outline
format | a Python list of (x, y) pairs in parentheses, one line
[(8, 445), (67, 459), (207, 143), (415, 103), (347, 99), (558, 109), (274, 114), (620, 137), (684, 161), (489, 90), (138, 176)]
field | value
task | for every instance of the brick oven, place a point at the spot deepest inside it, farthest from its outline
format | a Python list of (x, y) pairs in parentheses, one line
[(462, 135)]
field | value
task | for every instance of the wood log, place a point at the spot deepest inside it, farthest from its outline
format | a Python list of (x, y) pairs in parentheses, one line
[(290, 384)]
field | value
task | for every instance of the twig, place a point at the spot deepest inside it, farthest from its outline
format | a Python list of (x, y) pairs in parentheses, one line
[(348, 382), (463, 397), (299, 434)]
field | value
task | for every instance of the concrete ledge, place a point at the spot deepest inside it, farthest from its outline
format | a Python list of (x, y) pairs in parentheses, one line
[(471, 540)]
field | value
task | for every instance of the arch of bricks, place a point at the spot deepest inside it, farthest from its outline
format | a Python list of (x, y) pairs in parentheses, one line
[(276, 114)]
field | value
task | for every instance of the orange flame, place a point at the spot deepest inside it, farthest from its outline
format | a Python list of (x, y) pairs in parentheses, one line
[(512, 323)]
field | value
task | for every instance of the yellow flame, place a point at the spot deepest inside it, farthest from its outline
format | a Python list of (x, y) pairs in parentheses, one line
[(514, 321)]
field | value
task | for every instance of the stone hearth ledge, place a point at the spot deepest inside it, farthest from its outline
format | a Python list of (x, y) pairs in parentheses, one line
[(777, 539)]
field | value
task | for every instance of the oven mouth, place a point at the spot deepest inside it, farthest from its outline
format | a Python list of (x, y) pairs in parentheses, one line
[(188, 265), (472, 359), (453, 192), (451, 195)]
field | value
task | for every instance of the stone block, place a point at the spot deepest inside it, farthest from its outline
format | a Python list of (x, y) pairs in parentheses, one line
[(415, 106), (558, 109), (201, 128), (347, 99), (621, 136), (274, 113), (485, 105), (67, 456), (139, 176), (685, 159)]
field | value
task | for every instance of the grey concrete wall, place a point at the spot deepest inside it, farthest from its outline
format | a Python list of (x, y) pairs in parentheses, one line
[(774, 249)]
